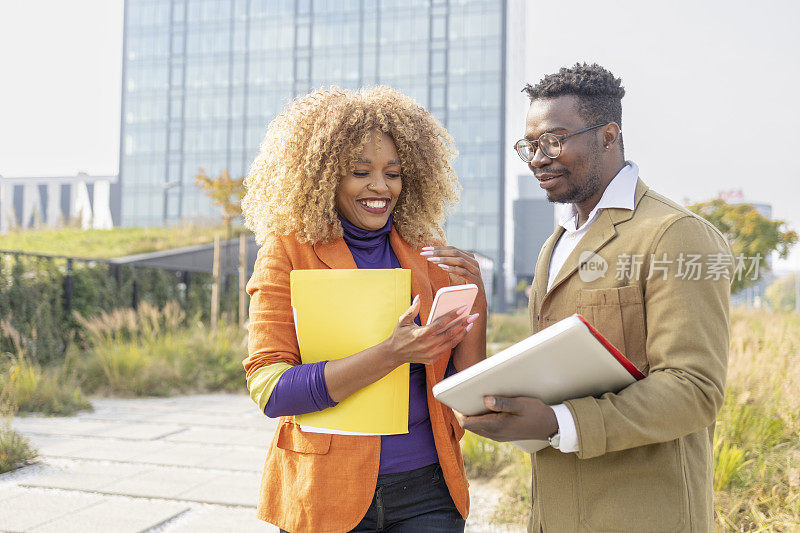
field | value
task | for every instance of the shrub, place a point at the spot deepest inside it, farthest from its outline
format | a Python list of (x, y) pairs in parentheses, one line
[(32, 298), (150, 353), (15, 450), (29, 388)]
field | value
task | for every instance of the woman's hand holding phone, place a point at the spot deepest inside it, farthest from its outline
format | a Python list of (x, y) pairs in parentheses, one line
[(410, 343)]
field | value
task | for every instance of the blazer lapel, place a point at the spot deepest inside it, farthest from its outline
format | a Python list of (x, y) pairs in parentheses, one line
[(599, 234), (542, 270), (602, 231), (420, 283), (335, 254)]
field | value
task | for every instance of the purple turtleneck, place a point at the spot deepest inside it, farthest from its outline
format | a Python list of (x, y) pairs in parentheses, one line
[(302, 388)]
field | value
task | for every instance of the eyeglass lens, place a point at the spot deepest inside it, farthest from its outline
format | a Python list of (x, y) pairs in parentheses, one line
[(525, 150), (548, 143)]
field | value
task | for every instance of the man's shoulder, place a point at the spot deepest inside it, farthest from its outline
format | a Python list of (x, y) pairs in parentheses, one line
[(663, 212), (656, 205)]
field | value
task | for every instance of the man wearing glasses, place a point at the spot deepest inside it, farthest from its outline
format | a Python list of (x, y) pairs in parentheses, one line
[(639, 459)]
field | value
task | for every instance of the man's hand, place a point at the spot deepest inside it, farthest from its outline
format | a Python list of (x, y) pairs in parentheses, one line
[(518, 418)]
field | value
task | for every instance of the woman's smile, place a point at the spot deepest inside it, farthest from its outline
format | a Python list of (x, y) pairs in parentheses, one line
[(368, 194), (375, 205)]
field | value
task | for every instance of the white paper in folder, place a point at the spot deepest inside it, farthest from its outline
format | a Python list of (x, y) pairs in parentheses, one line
[(567, 360)]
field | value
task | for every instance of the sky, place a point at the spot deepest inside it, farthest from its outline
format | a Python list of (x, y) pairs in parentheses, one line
[(711, 89)]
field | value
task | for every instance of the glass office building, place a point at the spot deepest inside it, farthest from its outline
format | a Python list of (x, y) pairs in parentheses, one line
[(203, 78)]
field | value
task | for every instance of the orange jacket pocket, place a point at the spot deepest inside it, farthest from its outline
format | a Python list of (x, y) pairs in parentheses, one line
[(291, 438)]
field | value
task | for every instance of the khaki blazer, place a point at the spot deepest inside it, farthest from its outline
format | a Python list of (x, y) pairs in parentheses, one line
[(645, 461), (317, 481)]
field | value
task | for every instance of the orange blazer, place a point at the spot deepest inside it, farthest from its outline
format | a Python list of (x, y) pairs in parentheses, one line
[(317, 481)]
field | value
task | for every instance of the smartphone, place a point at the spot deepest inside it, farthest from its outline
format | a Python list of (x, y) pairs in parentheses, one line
[(450, 298)]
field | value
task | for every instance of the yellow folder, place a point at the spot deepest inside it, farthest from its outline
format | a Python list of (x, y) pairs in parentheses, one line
[(340, 312)]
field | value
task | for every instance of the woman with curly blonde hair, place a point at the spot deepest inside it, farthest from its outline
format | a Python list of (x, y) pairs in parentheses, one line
[(359, 179)]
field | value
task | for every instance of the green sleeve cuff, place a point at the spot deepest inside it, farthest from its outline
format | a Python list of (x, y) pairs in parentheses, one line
[(262, 382)]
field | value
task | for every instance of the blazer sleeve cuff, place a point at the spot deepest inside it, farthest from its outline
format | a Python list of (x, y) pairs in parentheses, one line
[(589, 425)]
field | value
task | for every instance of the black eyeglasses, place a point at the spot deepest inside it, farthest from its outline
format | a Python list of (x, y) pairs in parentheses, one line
[(550, 143)]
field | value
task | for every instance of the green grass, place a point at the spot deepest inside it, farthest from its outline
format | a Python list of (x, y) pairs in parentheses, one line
[(105, 244), (757, 442)]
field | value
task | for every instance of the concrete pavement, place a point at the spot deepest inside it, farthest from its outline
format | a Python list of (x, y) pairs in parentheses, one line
[(181, 464)]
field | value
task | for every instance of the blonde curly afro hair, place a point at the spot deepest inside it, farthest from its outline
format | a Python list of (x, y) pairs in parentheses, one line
[(317, 138)]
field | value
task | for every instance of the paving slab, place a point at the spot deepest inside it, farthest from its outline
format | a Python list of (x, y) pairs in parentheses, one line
[(227, 489), (160, 482), (58, 446), (250, 420), (61, 426), (242, 460), (240, 437), (91, 448), (119, 516), (221, 519), (10, 491), (153, 452), (78, 475), (81, 427), (143, 431), (27, 509), (182, 454)]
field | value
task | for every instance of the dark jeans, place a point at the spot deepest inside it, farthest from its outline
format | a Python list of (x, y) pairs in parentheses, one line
[(415, 501)]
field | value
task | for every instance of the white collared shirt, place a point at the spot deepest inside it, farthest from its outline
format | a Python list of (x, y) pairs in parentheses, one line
[(620, 194)]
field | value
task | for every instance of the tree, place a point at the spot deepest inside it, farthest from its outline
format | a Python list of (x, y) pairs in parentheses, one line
[(224, 192), (752, 237), (782, 293), (227, 194)]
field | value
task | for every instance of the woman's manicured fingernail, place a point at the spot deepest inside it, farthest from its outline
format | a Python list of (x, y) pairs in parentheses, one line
[(462, 309), (426, 248), (473, 318), (416, 299), (445, 267), (434, 259), (468, 328), (426, 252)]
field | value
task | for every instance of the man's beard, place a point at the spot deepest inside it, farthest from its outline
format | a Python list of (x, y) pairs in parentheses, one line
[(576, 194)]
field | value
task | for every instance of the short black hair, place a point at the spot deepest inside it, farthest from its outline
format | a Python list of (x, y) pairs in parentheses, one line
[(599, 91)]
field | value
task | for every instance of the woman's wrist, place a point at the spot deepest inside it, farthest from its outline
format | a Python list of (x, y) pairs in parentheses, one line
[(387, 357)]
